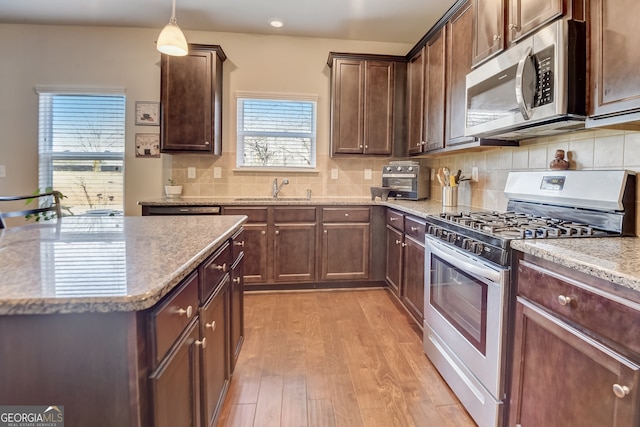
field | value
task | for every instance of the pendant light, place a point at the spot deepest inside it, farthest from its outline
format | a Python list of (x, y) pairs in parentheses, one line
[(171, 41)]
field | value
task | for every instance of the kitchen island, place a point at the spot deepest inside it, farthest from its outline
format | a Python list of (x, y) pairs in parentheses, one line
[(90, 317)]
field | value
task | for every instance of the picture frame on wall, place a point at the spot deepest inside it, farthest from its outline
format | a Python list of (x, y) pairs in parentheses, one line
[(147, 145), (147, 113)]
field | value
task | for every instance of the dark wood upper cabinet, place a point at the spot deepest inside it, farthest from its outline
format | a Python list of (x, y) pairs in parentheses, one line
[(527, 15), (614, 64), (191, 101), (366, 103), (435, 91), (415, 102), (488, 29), (459, 51)]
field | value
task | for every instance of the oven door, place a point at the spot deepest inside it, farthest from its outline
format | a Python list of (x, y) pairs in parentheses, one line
[(465, 308)]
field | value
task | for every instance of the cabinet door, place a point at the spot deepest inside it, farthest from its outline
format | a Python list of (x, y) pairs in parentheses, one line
[(435, 94), (459, 51), (215, 353), (255, 253), (415, 97), (347, 107), (394, 258), (237, 311), (294, 252), (488, 29), (563, 377), (175, 385), (412, 291), (379, 88), (190, 94), (525, 16), (615, 80), (345, 251)]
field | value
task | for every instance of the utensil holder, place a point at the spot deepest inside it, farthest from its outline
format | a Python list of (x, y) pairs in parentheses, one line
[(450, 196)]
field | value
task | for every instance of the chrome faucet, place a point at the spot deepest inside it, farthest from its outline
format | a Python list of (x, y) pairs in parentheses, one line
[(276, 188)]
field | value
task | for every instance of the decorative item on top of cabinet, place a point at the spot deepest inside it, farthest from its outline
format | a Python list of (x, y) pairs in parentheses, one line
[(575, 355), (191, 101), (614, 63), (367, 103)]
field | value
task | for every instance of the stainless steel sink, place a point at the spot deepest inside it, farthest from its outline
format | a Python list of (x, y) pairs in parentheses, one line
[(270, 199)]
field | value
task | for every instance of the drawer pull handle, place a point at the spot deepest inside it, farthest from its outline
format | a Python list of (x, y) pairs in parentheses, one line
[(222, 267), (414, 228), (241, 244), (202, 342), (620, 390), (211, 325), (562, 300), (188, 312), (236, 280)]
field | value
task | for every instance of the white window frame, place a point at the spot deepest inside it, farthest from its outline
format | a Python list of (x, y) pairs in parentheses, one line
[(46, 159), (276, 97)]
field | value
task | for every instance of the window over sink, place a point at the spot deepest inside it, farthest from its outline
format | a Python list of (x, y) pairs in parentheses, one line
[(81, 148), (276, 131)]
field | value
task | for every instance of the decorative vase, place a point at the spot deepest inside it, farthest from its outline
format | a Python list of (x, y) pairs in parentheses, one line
[(559, 163), (173, 191)]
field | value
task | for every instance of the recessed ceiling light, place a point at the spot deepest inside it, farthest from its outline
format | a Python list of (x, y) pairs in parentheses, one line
[(276, 22)]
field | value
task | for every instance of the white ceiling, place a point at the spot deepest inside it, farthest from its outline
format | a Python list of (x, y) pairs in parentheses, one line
[(401, 21)]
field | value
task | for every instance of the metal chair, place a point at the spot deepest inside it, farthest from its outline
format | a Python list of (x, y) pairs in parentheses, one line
[(42, 210)]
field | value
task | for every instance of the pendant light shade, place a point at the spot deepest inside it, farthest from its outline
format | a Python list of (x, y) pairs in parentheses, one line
[(171, 41)]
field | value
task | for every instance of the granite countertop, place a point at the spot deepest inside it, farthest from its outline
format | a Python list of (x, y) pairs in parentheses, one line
[(616, 259), (103, 264)]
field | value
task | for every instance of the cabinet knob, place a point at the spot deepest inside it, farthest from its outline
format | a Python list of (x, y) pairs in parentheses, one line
[(211, 326), (403, 245), (393, 219), (202, 342), (236, 280), (263, 232), (188, 312), (277, 232), (241, 244), (513, 26), (360, 145), (346, 215), (222, 267), (620, 390), (414, 228), (366, 146), (563, 300), (496, 37), (325, 231), (206, 143), (398, 242)]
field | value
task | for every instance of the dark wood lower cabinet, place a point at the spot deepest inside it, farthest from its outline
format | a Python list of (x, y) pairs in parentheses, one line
[(412, 290), (294, 252), (255, 252), (395, 243), (214, 328), (175, 385), (237, 311), (345, 251)]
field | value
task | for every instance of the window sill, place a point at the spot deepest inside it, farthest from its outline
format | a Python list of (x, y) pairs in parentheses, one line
[(271, 170)]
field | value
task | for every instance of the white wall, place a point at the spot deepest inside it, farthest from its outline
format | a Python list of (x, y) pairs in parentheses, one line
[(99, 57)]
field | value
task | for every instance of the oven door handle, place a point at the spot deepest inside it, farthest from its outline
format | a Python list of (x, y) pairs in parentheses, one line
[(462, 260)]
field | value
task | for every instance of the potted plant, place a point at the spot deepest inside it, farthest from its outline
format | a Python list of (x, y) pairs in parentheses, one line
[(172, 190)]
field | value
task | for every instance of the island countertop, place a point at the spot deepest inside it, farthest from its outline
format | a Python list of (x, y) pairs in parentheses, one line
[(103, 264)]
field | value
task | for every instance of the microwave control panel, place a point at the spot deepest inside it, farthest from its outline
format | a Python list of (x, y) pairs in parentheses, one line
[(544, 71)]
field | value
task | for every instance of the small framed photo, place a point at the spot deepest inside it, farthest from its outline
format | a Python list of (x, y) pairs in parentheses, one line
[(147, 145), (147, 113)]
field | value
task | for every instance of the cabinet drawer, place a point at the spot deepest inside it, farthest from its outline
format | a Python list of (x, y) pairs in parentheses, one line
[(254, 214), (414, 228), (395, 219), (345, 215), (213, 270), (237, 244), (294, 214), (172, 316), (607, 317)]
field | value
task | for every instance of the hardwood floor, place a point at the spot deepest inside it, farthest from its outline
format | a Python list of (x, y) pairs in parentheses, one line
[(335, 358)]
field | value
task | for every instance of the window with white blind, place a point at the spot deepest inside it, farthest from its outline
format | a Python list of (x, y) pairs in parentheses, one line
[(276, 132), (81, 149)]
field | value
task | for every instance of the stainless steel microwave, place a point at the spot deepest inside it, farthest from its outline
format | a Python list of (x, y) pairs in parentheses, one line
[(536, 87)]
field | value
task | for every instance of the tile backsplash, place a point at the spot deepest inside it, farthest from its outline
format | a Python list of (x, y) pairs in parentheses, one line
[(589, 149)]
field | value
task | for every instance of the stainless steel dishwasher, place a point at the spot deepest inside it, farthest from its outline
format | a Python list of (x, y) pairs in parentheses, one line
[(180, 210)]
